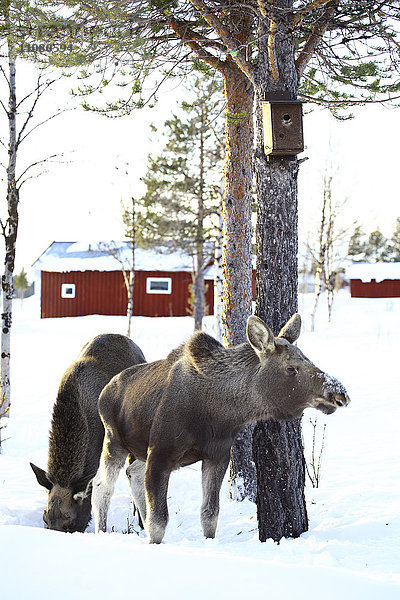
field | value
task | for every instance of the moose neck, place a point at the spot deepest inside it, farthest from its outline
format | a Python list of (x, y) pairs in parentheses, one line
[(233, 372)]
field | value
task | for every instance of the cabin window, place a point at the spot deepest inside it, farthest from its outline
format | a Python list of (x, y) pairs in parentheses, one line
[(67, 290), (159, 285)]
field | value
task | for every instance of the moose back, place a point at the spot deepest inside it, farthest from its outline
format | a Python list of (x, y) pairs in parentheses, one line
[(76, 435), (191, 405)]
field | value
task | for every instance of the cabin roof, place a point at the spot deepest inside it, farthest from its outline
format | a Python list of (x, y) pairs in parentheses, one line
[(368, 271), (61, 257)]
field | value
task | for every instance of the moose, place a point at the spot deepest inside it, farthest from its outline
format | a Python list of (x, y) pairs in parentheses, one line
[(77, 433), (191, 405)]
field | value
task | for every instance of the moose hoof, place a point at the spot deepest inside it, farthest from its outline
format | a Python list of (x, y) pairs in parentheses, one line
[(155, 533)]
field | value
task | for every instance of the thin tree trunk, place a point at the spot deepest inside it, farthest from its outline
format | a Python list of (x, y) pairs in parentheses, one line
[(319, 270), (130, 298), (10, 236), (277, 446), (330, 277), (321, 262), (131, 280), (198, 291), (237, 251), (198, 284), (218, 280)]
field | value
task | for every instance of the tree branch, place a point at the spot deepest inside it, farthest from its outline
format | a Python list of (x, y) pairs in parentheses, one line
[(273, 64), (348, 102), (314, 39), (2, 71), (230, 43), (298, 17), (192, 40), (34, 164), (40, 89), (4, 107), (21, 139)]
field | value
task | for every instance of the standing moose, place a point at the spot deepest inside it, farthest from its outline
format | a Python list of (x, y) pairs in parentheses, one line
[(77, 433), (191, 405)]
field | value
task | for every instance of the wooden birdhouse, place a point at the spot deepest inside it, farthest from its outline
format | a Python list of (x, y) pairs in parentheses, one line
[(283, 125)]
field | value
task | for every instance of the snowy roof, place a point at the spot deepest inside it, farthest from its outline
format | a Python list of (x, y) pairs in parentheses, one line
[(378, 271), (61, 257)]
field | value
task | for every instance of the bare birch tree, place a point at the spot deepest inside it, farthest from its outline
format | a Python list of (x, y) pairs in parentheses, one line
[(330, 250), (129, 219), (124, 254), (25, 108), (322, 247)]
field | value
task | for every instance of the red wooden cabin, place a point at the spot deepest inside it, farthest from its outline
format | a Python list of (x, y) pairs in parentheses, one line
[(374, 280), (77, 279)]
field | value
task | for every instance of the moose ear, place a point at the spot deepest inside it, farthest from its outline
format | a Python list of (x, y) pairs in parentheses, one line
[(291, 330), (85, 493), (42, 477), (260, 336)]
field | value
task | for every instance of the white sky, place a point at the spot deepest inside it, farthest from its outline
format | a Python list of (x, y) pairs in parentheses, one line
[(80, 198)]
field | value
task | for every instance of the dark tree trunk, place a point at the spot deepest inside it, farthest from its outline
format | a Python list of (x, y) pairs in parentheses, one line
[(281, 507), (280, 492), (277, 447)]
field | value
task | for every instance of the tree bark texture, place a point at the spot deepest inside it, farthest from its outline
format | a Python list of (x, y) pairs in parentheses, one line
[(198, 291), (198, 284), (10, 229), (280, 497), (218, 280), (277, 446), (236, 205), (236, 249)]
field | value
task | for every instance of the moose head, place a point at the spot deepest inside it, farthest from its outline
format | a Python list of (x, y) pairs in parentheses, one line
[(68, 508), (288, 378)]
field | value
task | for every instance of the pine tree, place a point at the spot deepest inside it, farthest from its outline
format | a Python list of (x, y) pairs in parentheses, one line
[(21, 283), (377, 247), (357, 245), (395, 243), (182, 188)]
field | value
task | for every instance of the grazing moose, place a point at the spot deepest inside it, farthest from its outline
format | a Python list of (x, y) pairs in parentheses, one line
[(77, 433), (190, 407)]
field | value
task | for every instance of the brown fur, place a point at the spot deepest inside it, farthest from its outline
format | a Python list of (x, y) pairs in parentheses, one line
[(77, 433), (190, 407)]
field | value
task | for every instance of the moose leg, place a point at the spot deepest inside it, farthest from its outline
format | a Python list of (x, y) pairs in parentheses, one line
[(156, 481), (212, 475), (112, 460), (135, 473)]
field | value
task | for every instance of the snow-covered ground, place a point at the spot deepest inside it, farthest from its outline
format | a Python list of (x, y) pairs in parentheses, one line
[(351, 549)]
